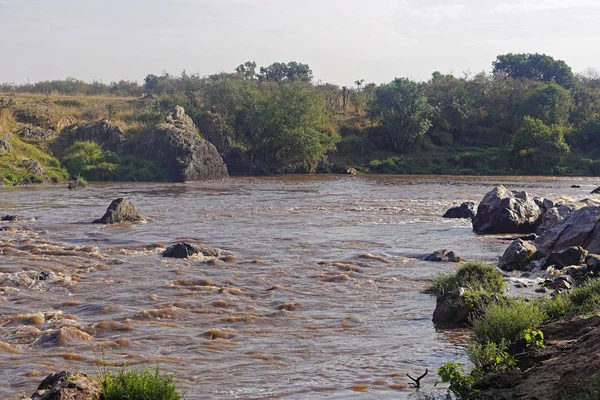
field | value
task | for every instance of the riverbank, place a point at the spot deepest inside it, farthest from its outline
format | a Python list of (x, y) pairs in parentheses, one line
[(531, 347), (38, 135)]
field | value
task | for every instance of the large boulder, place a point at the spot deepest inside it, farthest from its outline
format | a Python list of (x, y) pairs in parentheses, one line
[(465, 210), (120, 210), (574, 255), (578, 229), (451, 310), (5, 146), (103, 132), (66, 385), (178, 147), (505, 211), (517, 255)]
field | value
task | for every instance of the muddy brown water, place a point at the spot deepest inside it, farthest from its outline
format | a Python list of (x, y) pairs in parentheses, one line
[(321, 297)]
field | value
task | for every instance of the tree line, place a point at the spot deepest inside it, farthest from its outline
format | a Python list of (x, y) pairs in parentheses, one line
[(531, 105)]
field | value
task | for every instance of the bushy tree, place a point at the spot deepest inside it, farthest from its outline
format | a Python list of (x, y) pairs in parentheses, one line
[(282, 126), (536, 142), (536, 66), (402, 109), (550, 103), (280, 72)]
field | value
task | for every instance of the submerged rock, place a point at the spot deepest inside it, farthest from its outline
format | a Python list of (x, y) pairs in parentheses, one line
[(178, 147), (442, 256), (120, 210), (595, 191), (518, 256), (77, 185), (13, 218), (66, 385), (504, 211), (465, 210), (180, 250)]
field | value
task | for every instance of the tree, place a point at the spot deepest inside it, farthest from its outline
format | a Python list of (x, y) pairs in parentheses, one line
[(538, 142), (247, 69), (550, 103), (536, 66), (402, 108), (281, 72), (283, 126)]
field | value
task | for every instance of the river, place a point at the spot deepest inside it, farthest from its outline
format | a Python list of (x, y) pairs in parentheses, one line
[(320, 296)]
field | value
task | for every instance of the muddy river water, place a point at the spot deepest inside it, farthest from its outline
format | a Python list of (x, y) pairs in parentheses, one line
[(320, 297)]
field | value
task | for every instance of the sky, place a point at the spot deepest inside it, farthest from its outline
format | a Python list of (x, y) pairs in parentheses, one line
[(341, 40)]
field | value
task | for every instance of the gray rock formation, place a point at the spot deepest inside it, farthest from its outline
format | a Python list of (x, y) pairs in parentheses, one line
[(578, 229), (33, 167), (103, 132), (574, 255), (465, 210), (67, 385), (503, 211), (120, 210), (517, 256), (37, 133), (178, 147), (442, 256)]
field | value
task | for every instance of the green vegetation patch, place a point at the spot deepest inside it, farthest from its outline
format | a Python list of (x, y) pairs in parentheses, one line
[(144, 384), (475, 276)]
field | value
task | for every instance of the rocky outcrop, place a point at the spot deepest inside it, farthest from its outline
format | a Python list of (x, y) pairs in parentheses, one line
[(33, 167), (592, 261), (503, 211), (442, 256), (66, 385), (37, 133), (178, 147), (180, 250), (465, 210), (120, 210), (103, 132), (555, 216), (581, 228), (518, 256), (574, 255), (5, 146)]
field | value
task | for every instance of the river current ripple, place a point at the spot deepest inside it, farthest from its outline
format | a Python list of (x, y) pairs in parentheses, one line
[(320, 297)]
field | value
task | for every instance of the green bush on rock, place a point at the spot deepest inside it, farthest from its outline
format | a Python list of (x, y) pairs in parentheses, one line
[(473, 275)]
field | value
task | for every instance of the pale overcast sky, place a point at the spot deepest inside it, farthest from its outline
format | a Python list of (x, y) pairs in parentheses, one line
[(341, 40)]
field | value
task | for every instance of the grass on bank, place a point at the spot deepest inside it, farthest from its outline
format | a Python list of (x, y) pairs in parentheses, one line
[(132, 384), (475, 276)]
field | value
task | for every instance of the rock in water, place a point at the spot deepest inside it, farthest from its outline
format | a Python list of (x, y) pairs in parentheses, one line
[(443, 256), (180, 250), (465, 210), (178, 147), (120, 210), (67, 385), (503, 211), (517, 256), (77, 185), (595, 191)]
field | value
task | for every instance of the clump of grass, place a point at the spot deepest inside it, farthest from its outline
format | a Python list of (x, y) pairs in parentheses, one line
[(144, 384), (587, 388), (505, 322), (580, 300), (473, 275)]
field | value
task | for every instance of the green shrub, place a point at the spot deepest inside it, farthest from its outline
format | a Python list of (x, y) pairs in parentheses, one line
[(498, 322), (461, 384), (491, 357), (583, 299), (473, 275), (139, 385)]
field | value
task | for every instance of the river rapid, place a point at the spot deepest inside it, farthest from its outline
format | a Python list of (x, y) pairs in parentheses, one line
[(317, 293)]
